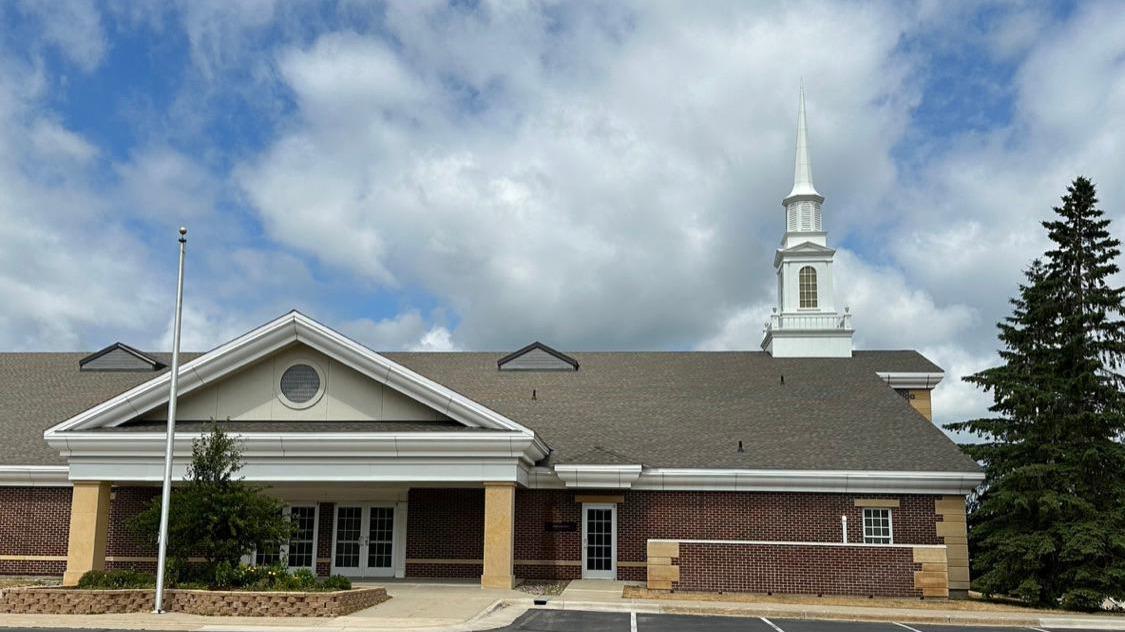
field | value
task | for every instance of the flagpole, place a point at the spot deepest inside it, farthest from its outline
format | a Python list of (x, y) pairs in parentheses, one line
[(166, 497)]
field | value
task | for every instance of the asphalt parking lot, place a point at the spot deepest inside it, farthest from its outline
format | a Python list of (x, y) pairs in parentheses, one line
[(577, 621)]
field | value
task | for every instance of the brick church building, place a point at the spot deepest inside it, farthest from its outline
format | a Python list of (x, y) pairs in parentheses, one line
[(805, 467)]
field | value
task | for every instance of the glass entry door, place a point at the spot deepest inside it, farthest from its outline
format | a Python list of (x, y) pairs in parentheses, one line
[(599, 541), (364, 540)]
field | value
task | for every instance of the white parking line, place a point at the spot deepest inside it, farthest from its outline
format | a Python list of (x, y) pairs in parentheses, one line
[(771, 624), (906, 626), (1038, 629), (632, 622)]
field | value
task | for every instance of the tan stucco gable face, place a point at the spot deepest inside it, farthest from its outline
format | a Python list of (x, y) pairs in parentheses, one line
[(251, 394)]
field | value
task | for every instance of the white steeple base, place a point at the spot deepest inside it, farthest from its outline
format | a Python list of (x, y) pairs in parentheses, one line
[(809, 343)]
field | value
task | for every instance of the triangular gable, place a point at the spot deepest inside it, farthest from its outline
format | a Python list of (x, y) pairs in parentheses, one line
[(269, 338), (537, 357), (119, 357), (808, 247)]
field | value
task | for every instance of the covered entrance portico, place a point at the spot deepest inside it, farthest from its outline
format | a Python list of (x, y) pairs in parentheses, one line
[(320, 419)]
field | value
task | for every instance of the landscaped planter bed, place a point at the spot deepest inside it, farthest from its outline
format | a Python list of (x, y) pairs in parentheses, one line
[(206, 602)]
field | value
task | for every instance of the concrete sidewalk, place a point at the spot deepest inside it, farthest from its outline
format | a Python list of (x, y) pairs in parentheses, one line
[(464, 607)]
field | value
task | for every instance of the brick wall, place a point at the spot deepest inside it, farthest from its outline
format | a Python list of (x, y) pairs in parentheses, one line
[(445, 533), (811, 569), (324, 528), (34, 522), (446, 525), (759, 516), (121, 542)]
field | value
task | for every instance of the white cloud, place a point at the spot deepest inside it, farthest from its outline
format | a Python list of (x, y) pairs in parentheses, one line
[(589, 178), (73, 26), (162, 184), (405, 331), (69, 272)]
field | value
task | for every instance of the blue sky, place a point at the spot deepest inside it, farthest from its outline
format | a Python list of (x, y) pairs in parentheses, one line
[(597, 175)]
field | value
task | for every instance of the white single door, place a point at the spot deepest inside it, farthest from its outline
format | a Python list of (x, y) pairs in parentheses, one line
[(599, 541)]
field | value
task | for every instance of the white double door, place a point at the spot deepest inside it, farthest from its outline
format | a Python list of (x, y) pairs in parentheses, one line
[(599, 541), (364, 540)]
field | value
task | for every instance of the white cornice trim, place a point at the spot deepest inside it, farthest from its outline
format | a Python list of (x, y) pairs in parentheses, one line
[(296, 445), (828, 481), (598, 476), (418, 457), (34, 476), (902, 379), (252, 346)]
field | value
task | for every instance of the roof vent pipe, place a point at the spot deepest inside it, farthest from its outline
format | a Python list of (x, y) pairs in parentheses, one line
[(740, 447)]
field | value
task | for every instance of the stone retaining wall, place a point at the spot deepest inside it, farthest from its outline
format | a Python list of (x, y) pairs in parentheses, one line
[(205, 602), (798, 568)]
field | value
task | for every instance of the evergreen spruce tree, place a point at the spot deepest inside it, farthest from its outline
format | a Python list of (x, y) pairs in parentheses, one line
[(1049, 525)]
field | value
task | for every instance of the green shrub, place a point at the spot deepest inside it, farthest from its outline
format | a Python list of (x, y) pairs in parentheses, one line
[(110, 580), (337, 582)]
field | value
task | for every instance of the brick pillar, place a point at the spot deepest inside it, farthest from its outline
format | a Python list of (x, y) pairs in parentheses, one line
[(499, 531), (89, 525)]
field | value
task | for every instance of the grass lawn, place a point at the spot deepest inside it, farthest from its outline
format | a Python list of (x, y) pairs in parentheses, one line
[(16, 582)]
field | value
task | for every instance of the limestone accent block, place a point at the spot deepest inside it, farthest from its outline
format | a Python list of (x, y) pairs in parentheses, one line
[(664, 573), (499, 534), (892, 503), (953, 530), (89, 527), (663, 549), (923, 554), (659, 585)]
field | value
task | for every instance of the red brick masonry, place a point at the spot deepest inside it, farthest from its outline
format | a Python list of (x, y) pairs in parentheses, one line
[(205, 602), (885, 571)]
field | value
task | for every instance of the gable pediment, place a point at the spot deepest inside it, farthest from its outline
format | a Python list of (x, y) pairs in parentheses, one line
[(336, 393), (241, 380)]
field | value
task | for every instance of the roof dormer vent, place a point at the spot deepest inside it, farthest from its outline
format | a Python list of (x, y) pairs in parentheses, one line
[(537, 357), (119, 357)]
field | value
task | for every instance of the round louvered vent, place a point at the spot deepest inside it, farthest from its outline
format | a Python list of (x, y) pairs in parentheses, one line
[(301, 385)]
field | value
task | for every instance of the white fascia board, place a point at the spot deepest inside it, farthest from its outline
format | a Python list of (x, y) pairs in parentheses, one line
[(598, 476), (312, 470), (900, 379), (540, 477), (339, 445), (826, 481), (34, 476), (268, 338)]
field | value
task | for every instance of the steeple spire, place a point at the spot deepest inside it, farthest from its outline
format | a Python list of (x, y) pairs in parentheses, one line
[(802, 171), (802, 205)]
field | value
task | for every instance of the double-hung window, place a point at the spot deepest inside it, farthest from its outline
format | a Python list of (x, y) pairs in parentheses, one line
[(300, 550), (877, 528)]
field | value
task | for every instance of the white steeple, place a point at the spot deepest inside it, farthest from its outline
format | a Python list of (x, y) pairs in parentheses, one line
[(802, 205), (805, 324)]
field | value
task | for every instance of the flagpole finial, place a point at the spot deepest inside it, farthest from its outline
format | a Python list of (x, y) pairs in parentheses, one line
[(183, 233)]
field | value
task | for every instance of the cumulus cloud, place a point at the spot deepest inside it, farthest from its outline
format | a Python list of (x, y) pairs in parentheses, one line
[(558, 184), (69, 272), (407, 331)]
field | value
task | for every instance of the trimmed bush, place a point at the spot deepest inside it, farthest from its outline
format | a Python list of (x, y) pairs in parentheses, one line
[(337, 582), (110, 580)]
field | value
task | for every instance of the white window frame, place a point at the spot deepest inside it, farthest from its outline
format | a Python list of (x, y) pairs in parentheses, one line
[(890, 525), (283, 549)]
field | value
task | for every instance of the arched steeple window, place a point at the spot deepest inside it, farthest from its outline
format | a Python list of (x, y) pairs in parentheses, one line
[(806, 287)]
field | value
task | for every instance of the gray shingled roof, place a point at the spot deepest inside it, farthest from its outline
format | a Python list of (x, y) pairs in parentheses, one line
[(658, 409)]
